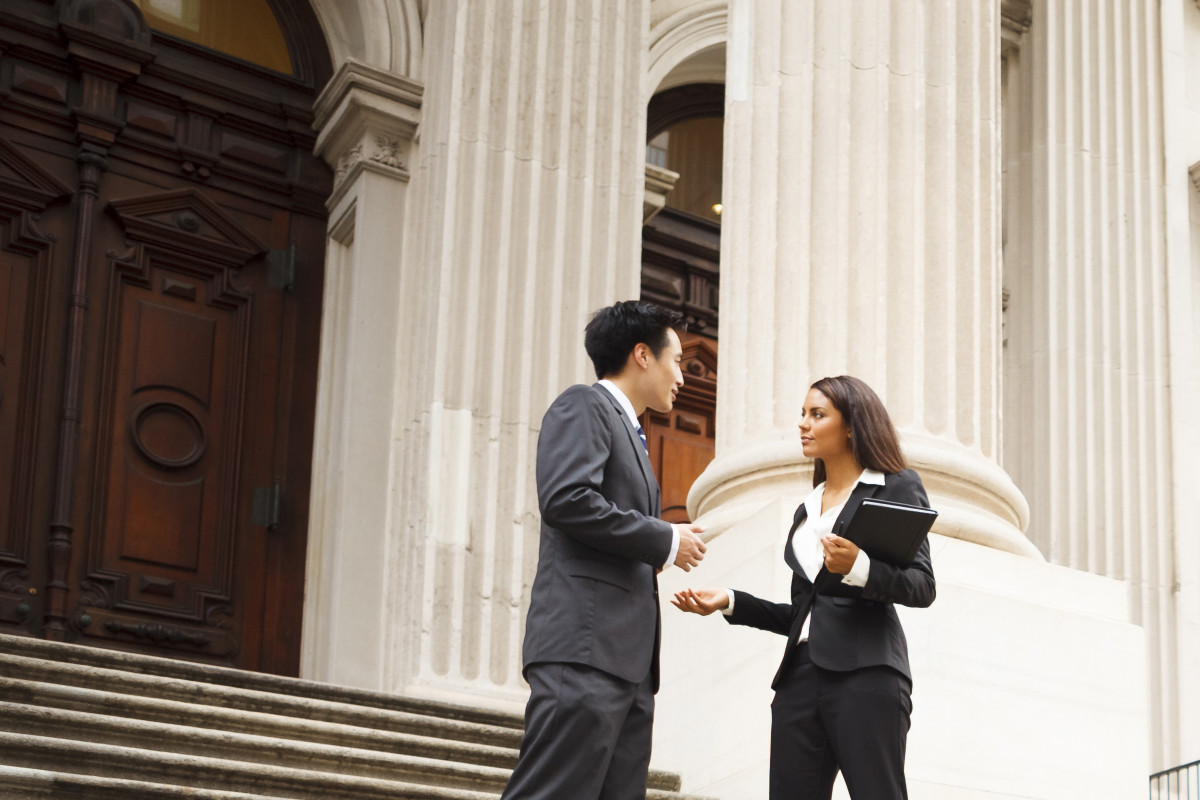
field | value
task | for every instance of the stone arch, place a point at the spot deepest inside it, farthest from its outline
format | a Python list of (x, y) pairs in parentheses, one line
[(685, 34), (385, 34)]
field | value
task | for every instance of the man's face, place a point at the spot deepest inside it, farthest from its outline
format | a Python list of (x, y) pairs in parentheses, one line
[(664, 377)]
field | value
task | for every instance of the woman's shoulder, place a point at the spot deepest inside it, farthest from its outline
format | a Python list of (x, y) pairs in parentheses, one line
[(904, 476)]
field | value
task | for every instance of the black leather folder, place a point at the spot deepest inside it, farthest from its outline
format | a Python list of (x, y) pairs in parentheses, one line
[(891, 532)]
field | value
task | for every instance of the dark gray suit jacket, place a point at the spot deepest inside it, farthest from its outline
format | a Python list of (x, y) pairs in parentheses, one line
[(595, 594), (851, 627)]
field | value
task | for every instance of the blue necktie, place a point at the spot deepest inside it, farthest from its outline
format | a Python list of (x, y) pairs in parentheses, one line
[(642, 434)]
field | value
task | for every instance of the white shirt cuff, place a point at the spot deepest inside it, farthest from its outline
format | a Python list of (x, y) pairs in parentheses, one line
[(858, 574), (674, 546), (727, 610)]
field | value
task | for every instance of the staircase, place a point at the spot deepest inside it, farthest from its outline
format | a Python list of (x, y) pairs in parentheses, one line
[(79, 723)]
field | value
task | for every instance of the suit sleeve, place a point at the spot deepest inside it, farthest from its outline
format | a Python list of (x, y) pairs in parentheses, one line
[(573, 453), (757, 613), (912, 585)]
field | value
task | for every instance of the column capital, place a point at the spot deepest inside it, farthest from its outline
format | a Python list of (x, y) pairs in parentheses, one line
[(366, 119)]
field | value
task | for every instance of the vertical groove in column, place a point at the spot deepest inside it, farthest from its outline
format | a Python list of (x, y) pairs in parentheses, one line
[(1103, 501)]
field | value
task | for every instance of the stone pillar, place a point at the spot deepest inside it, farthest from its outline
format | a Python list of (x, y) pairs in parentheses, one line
[(367, 119), (860, 235), (526, 218), (1086, 274)]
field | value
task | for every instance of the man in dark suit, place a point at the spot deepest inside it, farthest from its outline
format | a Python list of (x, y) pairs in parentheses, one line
[(592, 633)]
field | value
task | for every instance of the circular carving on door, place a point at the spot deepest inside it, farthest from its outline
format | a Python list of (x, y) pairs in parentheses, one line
[(167, 435)]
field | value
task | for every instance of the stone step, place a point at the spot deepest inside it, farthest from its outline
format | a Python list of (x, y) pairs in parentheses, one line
[(19, 783), (314, 708), (105, 760), (236, 678), (52, 759), (80, 719), (248, 751), (232, 720)]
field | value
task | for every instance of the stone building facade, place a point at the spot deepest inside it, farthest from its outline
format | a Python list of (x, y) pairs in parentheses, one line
[(988, 209)]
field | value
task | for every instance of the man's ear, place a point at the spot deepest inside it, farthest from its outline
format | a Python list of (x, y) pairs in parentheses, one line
[(641, 355)]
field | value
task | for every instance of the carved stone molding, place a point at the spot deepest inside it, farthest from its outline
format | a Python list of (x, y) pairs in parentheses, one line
[(366, 119), (659, 183)]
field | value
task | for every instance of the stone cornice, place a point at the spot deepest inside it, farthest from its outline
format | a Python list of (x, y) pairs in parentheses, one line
[(366, 118), (659, 182)]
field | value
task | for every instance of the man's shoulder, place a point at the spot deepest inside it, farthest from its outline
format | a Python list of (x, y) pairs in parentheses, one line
[(582, 394)]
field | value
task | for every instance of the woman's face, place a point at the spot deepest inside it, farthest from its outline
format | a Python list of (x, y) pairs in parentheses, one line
[(824, 433)]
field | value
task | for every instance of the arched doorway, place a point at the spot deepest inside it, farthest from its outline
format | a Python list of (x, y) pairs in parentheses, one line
[(681, 246), (162, 230)]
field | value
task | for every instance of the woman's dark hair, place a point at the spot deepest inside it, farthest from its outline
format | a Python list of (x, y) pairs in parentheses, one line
[(613, 332), (873, 440)]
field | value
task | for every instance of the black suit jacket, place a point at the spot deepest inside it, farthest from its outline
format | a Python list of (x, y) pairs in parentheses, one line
[(851, 627), (595, 593)]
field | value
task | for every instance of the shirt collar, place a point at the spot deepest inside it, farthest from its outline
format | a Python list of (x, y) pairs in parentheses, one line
[(622, 400), (872, 477), (813, 501)]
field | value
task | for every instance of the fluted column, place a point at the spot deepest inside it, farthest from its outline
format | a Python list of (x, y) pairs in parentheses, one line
[(528, 202), (860, 235), (1085, 269), (366, 120)]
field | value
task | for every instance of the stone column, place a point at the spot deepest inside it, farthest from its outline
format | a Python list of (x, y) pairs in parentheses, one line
[(860, 235), (526, 218), (367, 119), (1087, 357)]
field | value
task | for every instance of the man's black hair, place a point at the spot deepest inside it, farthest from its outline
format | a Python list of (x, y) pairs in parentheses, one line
[(613, 332)]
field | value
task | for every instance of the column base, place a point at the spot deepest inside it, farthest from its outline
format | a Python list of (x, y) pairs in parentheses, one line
[(1030, 680), (976, 500)]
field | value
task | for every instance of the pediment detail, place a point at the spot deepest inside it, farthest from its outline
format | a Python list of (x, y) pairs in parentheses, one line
[(186, 221), (699, 361), (23, 184)]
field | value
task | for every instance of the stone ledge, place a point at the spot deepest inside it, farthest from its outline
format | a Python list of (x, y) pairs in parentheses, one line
[(247, 751), (311, 708), (237, 721), (234, 678)]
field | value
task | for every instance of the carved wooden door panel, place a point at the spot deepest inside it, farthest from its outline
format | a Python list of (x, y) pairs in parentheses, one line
[(161, 270), (683, 442), (27, 257)]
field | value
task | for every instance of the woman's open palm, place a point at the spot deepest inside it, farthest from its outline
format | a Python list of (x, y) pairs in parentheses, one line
[(701, 601)]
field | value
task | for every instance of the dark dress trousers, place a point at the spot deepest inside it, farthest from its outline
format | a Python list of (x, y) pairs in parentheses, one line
[(842, 698), (592, 632)]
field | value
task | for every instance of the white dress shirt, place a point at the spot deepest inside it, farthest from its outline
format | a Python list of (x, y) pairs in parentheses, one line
[(627, 406), (806, 542)]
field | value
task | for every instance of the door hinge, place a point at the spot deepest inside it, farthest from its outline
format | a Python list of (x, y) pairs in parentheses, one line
[(281, 268), (268, 505)]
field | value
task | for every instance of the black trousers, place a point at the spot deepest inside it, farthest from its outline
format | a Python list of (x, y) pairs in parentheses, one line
[(587, 736), (823, 721)]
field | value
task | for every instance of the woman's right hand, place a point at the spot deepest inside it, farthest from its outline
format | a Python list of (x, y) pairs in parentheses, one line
[(701, 601)]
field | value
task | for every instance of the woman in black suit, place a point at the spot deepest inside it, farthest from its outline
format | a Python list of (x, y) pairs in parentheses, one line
[(842, 692)]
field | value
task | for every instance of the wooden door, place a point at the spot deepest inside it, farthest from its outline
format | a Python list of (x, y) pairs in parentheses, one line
[(683, 442), (161, 265)]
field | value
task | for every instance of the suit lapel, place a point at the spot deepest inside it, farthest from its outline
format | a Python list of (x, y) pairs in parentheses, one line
[(789, 553), (639, 451)]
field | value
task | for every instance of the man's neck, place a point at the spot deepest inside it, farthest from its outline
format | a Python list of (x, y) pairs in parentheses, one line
[(627, 388)]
